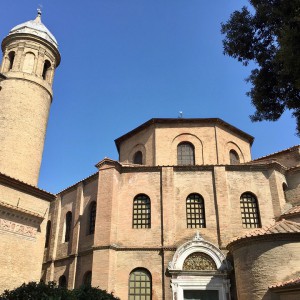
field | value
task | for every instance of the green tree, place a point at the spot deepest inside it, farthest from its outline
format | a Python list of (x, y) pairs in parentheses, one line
[(50, 291), (270, 37)]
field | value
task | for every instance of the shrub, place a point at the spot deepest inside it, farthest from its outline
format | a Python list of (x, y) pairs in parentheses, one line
[(50, 291)]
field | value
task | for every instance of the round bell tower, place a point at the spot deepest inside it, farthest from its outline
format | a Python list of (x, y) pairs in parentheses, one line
[(30, 57)]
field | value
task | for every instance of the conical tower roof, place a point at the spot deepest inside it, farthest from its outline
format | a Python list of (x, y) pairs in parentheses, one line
[(37, 28)]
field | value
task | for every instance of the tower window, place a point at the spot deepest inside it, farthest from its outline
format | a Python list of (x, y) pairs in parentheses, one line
[(195, 212), (249, 211), (29, 62), (92, 217), (234, 157), (68, 226), (11, 58), (140, 285), (48, 232), (141, 212), (138, 158), (185, 154), (46, 70)]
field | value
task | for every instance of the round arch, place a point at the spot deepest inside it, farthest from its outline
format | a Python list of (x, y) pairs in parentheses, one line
[(137, 148), (233, 146), (216, 280), (191, 139)]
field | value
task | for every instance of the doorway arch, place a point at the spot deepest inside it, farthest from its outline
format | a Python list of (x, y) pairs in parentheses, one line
[(199, 268)]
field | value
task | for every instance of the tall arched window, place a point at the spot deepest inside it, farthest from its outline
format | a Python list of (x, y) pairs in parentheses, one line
[(140, 285), (141, 212), (48, 232), (138, 158), (29, 61), (284, 188), (185, 154), (62, 281), (46, 70), (68, 226), (249, 211), (234, 157), (195, 211), (11, 58), (92, 217), (87, 278)]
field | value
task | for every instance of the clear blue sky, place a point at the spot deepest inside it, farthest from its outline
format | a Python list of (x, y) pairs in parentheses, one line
[(126, 61)]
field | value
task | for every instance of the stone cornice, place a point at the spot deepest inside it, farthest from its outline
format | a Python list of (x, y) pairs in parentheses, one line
[(141, 168), (119, 248), (257, 167), (26, 188), (26, 36), (194, 168), (107, 163)]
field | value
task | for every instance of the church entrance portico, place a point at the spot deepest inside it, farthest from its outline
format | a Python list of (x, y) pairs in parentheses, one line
[(199, 271)]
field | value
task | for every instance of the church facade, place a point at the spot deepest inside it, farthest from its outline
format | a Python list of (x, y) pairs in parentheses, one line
[(185, 213)]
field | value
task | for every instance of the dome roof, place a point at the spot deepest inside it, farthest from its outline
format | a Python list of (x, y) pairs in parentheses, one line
[(37, 28)]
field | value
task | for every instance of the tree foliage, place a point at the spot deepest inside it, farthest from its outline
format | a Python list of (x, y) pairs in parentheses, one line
[(270, 37), (50, 291)]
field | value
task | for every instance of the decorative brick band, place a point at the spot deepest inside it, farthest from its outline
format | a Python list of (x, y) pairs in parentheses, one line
[(18, 229)]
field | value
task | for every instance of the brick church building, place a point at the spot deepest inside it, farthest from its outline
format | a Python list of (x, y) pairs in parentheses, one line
[(185, 213)]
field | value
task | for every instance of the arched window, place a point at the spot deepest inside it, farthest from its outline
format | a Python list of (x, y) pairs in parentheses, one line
[(234, 157), (28, 64), (48, 232), (185, 154), (140, 285), (11, 58), (138, 158), (284, 188), (46, 70), (195, 212), (68, 226), (62, 281), (92, 217), (141, 212), (87, 278), (249, 211)]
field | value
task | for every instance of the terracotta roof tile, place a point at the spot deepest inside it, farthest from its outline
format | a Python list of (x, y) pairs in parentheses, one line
[(278, 152), (73, 185), (25, 187), (28, 184), (288, 283), (279, 227), (293, 210)]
